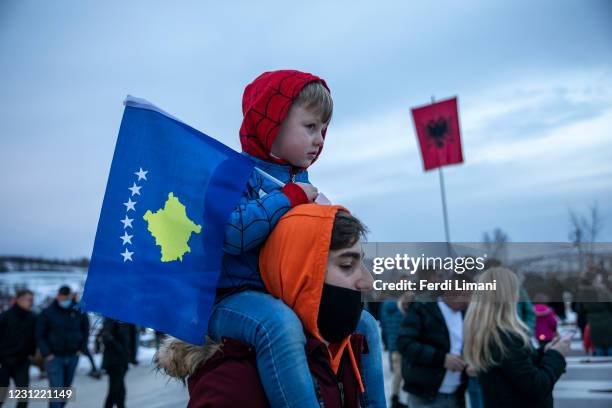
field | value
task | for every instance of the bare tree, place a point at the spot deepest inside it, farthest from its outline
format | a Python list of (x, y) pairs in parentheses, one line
[(496, 244), (584, 231)]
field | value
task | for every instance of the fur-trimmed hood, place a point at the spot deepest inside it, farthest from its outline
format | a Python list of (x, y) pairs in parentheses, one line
[(180, 360)]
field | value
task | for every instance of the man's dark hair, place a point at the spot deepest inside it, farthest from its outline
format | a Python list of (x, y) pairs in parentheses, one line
[(492, 263), (23, 292), (346, 231), (64, 290)]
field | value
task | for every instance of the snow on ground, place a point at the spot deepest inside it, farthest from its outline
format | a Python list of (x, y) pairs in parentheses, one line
[(44, 284), (145, 386)]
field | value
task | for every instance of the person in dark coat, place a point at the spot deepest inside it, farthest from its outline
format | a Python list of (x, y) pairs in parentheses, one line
[(61, 336), (512, 373), (116, 337), (430, 342), (599, 315), (555, 292), (580, 305), (17, 342), (134, 342), (94, 372)]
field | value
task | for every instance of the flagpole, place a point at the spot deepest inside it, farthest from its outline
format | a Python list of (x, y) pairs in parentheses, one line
[(443, 194)]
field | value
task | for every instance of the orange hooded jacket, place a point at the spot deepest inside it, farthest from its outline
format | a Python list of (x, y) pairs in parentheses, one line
[(293, 263)]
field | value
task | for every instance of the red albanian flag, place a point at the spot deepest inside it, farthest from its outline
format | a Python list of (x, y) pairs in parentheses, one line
[(437, 127)]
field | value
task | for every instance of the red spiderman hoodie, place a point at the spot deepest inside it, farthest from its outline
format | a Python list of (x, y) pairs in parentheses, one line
[(265, 104)]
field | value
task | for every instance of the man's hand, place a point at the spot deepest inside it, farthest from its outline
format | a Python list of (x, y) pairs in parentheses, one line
[(311, 191), (49, 358), (453, 362)]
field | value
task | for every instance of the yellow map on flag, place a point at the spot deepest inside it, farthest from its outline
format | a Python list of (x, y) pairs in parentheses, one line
[(171, 229)]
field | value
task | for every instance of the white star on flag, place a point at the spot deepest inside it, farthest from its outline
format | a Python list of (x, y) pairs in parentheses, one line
[(127, 222), (127, 239), (130, 204), (135, 189), (141, 174), (127, 255)]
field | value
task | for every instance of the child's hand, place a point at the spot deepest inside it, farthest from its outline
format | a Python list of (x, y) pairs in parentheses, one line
[(310, 190)]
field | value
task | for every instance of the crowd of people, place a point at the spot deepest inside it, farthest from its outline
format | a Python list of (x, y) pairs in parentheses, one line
[(496, 347), (55, 339)]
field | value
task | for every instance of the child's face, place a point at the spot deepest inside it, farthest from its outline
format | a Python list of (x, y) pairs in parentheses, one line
[(299, 137)]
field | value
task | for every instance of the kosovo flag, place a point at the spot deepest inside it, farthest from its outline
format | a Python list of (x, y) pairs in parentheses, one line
[(159, 244)]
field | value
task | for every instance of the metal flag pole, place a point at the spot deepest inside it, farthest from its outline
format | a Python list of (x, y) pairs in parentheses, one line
[(443, 194)]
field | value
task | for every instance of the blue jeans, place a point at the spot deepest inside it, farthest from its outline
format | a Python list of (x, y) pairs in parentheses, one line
[(277, 335), (475, 393), (372, 375), (603, 351), (60, 371)]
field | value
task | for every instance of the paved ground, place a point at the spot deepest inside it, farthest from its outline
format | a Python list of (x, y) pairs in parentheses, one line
[(587, 383)]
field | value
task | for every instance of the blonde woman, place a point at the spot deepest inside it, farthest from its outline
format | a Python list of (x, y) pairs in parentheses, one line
[(497, 347)]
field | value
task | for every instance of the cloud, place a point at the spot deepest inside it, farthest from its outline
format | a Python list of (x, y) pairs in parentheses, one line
[(376, 158)]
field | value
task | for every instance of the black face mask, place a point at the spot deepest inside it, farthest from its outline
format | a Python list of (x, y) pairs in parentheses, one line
[(339, 312)]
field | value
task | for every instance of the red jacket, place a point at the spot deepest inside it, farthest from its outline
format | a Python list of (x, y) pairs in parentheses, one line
[(229, 378)]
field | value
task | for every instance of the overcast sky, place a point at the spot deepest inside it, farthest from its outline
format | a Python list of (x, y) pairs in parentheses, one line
[(534, 82)]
